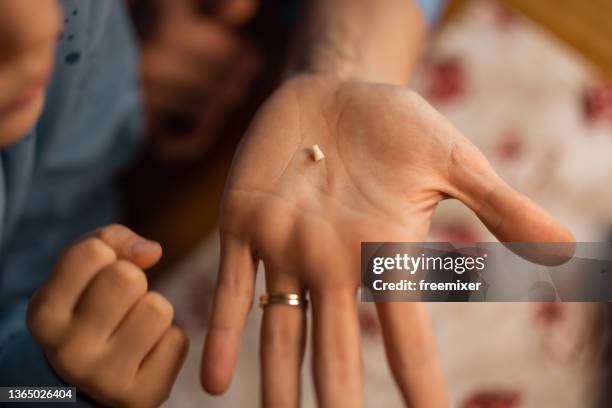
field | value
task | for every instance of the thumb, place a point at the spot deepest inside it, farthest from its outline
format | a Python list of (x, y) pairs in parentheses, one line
[(509, 215), (129, 246)]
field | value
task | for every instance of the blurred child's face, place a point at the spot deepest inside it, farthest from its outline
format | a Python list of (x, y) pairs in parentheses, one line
[(28, 35)]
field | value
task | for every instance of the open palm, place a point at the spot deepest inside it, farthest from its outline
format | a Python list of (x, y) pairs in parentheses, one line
[(390, 158)]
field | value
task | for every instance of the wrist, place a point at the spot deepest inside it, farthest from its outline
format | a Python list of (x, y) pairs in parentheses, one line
[(361, 40), (324, 63)]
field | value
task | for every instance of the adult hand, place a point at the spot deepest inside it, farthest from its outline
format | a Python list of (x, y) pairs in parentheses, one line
[(389, 159)]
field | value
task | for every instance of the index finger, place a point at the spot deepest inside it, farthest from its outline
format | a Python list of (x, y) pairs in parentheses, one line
[(231, 305), (128, 245)]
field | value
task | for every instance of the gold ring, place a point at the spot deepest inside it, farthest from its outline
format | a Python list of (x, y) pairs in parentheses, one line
[(289, 299)]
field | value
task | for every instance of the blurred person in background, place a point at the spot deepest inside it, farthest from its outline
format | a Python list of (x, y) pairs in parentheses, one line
[(196, 66)]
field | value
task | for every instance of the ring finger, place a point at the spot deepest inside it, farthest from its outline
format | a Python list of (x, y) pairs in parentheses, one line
[(283, 333)]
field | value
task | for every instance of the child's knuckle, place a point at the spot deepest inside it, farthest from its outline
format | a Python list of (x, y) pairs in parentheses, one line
[(158, 306), (43, 320), (70, 361), (177, 340), (94, 250), (177, 337), (36, 312), (111, 231), (127, 278)]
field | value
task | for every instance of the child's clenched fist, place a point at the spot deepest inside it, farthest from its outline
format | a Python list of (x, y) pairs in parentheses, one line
[(101, 329)]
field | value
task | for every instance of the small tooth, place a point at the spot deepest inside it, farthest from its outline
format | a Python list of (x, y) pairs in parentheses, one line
[(317, 154)]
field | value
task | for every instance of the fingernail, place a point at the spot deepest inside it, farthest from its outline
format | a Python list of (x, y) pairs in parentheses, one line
[(142, 247)]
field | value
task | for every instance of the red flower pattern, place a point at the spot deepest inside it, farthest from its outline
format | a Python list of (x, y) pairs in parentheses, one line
[(445, 80), (597, 103), (493, 399), (510, 146)]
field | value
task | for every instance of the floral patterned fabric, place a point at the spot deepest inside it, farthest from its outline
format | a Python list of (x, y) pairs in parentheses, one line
[(544, 118)]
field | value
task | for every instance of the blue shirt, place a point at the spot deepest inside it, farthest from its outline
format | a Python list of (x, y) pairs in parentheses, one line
[(57, 183)]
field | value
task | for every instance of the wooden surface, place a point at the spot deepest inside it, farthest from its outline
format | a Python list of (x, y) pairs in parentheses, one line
[(585, 25), (179, 206)]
